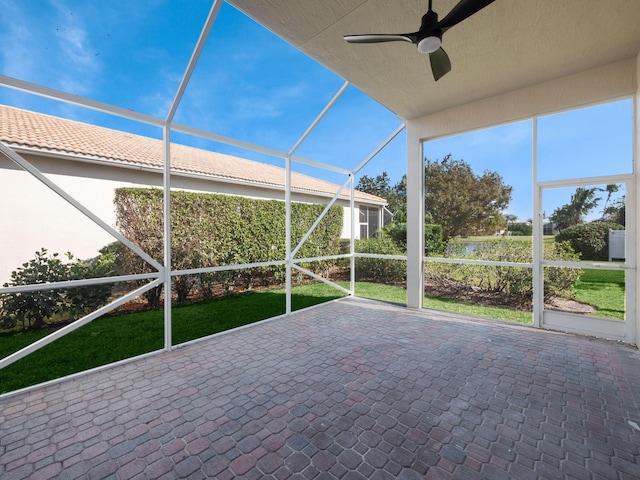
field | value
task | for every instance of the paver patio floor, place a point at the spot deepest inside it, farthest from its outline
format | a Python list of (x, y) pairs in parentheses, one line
[(351, 389)]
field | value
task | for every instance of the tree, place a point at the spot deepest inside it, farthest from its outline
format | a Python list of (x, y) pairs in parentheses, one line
[(610, 189), (509, 218), (582, 202), (381, 186), (462, 202), (616, 211)]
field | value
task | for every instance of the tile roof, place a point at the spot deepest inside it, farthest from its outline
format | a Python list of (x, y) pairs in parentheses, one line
[(34, 131)]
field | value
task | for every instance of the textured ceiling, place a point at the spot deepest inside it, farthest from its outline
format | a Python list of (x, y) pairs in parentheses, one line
[(509, 45)]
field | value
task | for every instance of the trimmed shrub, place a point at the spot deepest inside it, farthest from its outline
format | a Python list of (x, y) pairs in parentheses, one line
[(516, 281), (212, 229), (433, 235), (83, 300), (379, 269), (520, 229), (35, 309), (590, 240), (398, 233)]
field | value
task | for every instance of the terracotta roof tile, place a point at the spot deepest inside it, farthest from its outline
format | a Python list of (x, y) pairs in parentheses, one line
[(22, 128)]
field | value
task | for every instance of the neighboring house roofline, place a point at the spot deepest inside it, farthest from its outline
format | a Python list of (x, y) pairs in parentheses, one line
[(369, 200), (48, 136)]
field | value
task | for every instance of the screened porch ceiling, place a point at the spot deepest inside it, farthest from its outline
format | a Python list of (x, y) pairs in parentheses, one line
[(510, 45)]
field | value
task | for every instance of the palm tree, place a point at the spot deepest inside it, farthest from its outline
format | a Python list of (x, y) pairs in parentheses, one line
[(509, 218), (582, 202), (610, 189)]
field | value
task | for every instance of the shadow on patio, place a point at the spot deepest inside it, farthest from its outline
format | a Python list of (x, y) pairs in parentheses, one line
[(351, 389)]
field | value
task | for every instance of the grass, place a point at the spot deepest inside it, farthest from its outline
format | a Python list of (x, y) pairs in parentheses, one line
[(110, 339), (604, 290), (468, 308), (399, 295)]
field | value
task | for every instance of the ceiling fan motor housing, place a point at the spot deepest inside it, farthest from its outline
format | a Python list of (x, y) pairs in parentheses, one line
[(429, 38)]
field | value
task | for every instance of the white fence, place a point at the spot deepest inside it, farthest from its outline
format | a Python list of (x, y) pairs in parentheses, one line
[(616, 244)]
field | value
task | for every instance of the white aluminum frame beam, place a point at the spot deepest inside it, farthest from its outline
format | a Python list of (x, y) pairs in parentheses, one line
[(322, 279), (64, 97), (320, 217), (386, 142), (35, 287), (193, 61), (197, 132), (166, 175), (324, 111)]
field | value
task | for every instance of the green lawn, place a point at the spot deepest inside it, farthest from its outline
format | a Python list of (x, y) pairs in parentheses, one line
[(399, 295), (604, 290)]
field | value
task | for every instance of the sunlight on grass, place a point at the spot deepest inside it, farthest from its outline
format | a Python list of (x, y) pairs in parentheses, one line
[(604, 290), (379, 291), (101, 342), (395, 294), (467, 308)]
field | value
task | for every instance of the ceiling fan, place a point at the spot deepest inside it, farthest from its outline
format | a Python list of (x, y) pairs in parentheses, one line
[(429, 37)]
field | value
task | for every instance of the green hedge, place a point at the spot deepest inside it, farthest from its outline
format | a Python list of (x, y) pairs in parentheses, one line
[(520, 229), (590, 240), (516, 281), (213, 229), (379, 269)]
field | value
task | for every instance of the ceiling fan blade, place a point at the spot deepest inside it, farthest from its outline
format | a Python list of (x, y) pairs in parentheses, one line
[(463, 10), (381, 37), (440, 63)]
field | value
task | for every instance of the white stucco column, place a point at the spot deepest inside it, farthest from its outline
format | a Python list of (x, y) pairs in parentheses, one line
[(636, 172), (415, 218)]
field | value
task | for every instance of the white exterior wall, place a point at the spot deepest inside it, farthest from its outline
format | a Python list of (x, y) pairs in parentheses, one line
[(636, 171), (32, 216)]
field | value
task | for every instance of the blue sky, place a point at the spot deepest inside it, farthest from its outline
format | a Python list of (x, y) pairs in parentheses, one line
[(252, 86), (589, 142)]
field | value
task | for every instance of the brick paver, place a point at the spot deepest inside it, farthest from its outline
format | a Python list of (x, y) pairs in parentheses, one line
[(350, 389)]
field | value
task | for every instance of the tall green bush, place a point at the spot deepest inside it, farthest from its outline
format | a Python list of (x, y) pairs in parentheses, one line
[(379, 269), (433, 239), (590, 240), (213, 229)]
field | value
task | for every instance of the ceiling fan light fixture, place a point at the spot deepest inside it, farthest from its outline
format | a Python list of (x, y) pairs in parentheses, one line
[(429, 44), (429, 38)]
